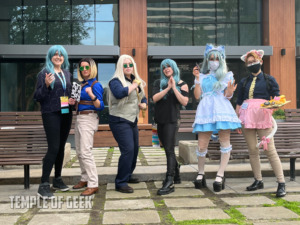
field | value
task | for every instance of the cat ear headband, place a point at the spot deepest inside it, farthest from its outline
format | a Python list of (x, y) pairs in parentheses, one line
[(259, 53), (210, 47)]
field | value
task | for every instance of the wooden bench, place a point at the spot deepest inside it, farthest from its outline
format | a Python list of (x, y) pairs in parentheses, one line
[(287, 142), (22, 140), (292, 115), (104, 137), (186, 122)]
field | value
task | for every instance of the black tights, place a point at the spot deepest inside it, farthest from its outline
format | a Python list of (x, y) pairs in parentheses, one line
[(57, 127), (167, 135)]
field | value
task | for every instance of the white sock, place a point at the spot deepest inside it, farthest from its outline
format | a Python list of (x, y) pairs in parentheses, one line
[(223, 163)]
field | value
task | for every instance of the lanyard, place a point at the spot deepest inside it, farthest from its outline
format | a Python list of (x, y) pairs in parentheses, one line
[(63, 81)]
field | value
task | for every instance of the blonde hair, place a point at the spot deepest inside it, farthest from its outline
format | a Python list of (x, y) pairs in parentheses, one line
[(254, 55), (121, 76), (93, 66)]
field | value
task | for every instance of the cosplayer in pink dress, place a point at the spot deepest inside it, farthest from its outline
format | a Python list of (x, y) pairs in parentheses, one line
[(254, 90)]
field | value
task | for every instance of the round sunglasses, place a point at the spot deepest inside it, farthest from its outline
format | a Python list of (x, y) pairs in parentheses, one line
[(84, 67), (128, 65)]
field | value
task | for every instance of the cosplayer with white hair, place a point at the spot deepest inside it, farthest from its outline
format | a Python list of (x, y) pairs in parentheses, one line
[(126, 99), (215, 114), (254, 90)]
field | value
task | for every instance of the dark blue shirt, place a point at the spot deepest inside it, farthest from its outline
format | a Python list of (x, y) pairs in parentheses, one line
[(260, 90), (97, 91), (50, 98), (119, 91)]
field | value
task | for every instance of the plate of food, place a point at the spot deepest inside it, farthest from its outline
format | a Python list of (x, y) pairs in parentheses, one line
[(277, 102)]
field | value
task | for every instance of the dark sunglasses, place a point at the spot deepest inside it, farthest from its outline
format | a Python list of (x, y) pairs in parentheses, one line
[(128, 65), (167, 66), (82, 68)]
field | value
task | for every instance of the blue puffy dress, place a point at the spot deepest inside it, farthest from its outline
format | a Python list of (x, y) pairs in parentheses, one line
[(214, 111)]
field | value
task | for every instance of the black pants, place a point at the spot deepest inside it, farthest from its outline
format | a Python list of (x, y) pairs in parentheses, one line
[(167, 135), (57, 127), (126, 134)]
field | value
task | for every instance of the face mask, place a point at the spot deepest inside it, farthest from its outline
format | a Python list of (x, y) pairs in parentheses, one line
[(254, 68), (213, 65)]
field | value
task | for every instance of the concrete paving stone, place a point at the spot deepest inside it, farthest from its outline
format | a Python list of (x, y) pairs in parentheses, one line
[(136, 194), (99, 163), (131, 217), (9, 191), (185, 192), (8, 220), (66, 194), (277, 223), (161, 159), (198, 214), (188, 202), (184, 184), (267, 213), (292, 198), (253, 200), (14, 207), (70, 206), (141, 185), (60, 218), (129, 204), (156, 163), (154, 154)]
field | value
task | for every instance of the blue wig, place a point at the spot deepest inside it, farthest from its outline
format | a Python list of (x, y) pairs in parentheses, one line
[(176, 73), (51, 52), (220, 72)]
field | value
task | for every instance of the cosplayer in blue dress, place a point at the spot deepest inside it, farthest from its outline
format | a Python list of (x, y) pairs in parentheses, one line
[(215, 113)]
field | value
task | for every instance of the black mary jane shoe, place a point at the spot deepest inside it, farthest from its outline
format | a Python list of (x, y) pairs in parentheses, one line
[(200, 183), (219, 186), (280, 190), (257, 184)]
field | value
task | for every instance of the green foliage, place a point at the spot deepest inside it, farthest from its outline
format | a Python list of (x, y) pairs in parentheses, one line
[(279, 114)]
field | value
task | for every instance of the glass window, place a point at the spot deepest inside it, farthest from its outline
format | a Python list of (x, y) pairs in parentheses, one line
[(297, 3), (199, 22), (181, 34), (83, 9), (204, 11), (158, 11), (298, 81), (250, 34), (250, 11), (60, 10), (298, 34), (107, 33), (227, 34), (227, 11), (59, 33), (107, 11), (34, 9), (158, 34), (83, 33), (35, 33), (11, 32), (10, 9), (181, 11), (18, 82), (204, 33)]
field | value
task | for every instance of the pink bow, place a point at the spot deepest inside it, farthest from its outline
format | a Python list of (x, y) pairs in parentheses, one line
[(264, 142)]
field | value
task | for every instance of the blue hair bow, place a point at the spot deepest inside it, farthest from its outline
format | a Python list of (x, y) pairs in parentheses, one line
[(210, 47)]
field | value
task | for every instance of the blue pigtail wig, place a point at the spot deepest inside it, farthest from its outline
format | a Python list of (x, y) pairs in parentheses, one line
[(176, 73), (51, 52)]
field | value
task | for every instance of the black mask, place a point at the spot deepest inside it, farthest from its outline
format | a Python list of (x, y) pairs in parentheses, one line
[(254, 68)]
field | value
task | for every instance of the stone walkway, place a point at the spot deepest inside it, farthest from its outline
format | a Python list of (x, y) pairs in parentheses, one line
[(185, 206)]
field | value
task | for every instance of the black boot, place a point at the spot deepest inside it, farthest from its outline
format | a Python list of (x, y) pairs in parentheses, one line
[(177, 179), (219, 186), (281, 190), (168, 186), (200, 183), (257, 184)]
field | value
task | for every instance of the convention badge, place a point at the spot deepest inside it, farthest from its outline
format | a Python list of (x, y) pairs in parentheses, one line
[(245, 105), (64, 104), (76, 91)]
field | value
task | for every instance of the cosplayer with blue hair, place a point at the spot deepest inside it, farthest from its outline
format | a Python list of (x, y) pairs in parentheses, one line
[(49, 64), (176, 73), (169, 94), (215, 114)]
